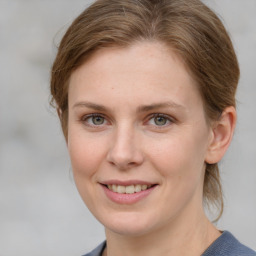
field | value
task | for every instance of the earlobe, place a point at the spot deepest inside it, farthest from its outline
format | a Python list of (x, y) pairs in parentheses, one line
[(222, 133)]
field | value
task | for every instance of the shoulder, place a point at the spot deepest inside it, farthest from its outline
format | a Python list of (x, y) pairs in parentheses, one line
[(228, 245), (97, 251)]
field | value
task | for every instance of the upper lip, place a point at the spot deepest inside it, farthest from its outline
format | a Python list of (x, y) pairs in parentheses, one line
[(127, 182)]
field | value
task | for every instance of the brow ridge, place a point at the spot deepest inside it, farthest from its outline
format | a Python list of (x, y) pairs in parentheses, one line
[(143, 108)]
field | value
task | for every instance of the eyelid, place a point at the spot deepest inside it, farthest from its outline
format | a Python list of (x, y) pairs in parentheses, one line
[(86, 116), (168, 118), (84, 119)]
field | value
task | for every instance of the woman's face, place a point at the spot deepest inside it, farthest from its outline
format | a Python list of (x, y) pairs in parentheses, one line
[(137, 138)]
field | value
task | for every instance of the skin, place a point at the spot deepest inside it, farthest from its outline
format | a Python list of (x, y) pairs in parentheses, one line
[(125, 88)]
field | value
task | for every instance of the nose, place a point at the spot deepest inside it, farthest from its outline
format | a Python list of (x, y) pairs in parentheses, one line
[(125, 151)]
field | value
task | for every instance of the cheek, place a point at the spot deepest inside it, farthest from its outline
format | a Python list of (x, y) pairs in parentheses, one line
[(180, 157), (85, 154), (86, 157), (181, 165)]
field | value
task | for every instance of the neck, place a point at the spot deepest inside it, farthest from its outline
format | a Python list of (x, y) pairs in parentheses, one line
[(190, 237)]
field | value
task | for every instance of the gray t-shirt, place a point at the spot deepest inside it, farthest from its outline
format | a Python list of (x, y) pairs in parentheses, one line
[(225, 245)]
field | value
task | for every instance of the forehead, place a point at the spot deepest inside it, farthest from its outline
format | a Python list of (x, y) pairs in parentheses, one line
[(144, 68)]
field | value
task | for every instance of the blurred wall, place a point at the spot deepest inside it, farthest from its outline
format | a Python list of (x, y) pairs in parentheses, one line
[(40, 210)]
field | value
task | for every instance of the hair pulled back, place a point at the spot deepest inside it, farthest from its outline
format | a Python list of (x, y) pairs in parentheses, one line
[(189, 28)]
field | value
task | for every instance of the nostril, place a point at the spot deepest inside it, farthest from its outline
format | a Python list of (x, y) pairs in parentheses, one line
[(131, 164)]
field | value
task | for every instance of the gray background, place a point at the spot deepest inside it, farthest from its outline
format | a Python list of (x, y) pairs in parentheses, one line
[(40, 210)]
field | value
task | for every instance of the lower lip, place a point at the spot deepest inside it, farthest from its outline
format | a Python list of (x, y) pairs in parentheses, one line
[(127, 198)]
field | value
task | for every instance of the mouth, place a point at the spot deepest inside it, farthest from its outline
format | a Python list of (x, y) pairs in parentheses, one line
[(127, 192), (131, 189)]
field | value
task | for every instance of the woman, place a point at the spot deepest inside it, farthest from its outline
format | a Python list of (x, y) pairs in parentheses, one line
[(145, 92)]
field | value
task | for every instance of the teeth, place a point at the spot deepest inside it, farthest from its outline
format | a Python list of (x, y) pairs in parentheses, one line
[(137, 188), (120, 189), (114, 188), (144, 187), (128, 189)]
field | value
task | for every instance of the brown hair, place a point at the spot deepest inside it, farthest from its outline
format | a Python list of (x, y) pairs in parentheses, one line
[(190, 28)]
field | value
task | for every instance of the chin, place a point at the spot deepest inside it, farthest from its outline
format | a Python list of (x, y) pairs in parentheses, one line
[(129, 231), (129, 224)]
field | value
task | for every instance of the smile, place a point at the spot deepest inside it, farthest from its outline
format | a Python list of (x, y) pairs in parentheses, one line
[(127, 192), (131, 189)]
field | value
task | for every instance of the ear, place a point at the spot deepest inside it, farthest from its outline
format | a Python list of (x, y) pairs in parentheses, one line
[(221, 135)]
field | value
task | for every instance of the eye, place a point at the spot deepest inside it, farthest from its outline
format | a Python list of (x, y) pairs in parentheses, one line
[(97, 120), (94, 120), (160, 120)]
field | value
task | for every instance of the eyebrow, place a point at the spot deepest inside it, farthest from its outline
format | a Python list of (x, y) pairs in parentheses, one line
[(90, 105), (168, 104), (143, 108)]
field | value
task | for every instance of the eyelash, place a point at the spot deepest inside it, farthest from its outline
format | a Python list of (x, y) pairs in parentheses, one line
[(169, 120), (85, 119)]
